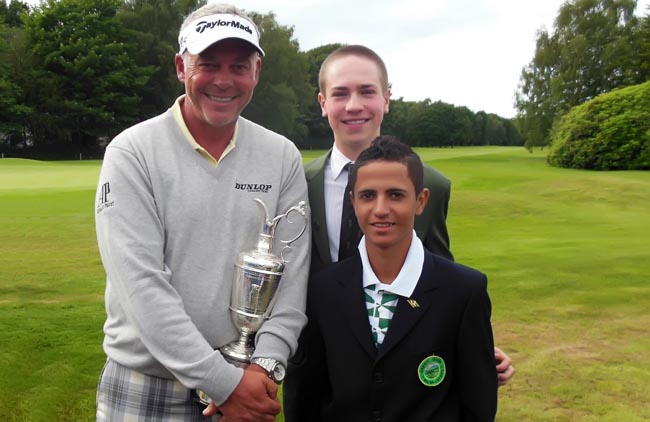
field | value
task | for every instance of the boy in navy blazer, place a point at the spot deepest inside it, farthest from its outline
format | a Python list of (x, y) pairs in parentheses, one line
[(395, 333)]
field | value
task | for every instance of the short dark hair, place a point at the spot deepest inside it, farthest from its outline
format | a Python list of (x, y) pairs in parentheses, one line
[(391, 148)]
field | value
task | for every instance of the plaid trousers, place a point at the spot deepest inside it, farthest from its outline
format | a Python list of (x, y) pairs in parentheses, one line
[(129, 396)]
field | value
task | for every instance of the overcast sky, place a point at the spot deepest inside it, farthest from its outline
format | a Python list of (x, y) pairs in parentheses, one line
[(463, 52)]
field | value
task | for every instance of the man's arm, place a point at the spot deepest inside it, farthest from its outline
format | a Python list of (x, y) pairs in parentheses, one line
[(278, 337), (131, 240), (476, 376), (306, 375), (431, 226)]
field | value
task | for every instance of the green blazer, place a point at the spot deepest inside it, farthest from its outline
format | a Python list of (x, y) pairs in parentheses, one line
[(430, 227)]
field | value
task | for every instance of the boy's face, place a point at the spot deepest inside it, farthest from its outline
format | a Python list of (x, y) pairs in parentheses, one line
[(354, 101), (386, 204)]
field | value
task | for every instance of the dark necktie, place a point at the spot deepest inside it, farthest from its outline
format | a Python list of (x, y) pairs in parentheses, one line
[(350, 231)]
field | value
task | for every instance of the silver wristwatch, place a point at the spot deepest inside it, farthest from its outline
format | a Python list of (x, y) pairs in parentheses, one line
[(276, 370)]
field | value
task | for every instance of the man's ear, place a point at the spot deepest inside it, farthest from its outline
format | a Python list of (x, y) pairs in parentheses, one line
[(387, 100), (422, 199), (258, 68), (180, 67), (321, 101)]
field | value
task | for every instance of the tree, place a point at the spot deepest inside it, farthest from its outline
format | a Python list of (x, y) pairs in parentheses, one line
[(427, 123), (610, 132), (155, 25), (283, 91), (494, 132), (462, 127), (536, 107), (11, 14), (89, 85), (589, 52), (641, 47), (513, 137), (15, 58), (396, 121), (319, 133)]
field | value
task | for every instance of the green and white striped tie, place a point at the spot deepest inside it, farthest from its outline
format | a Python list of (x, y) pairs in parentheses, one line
[(381, 307)]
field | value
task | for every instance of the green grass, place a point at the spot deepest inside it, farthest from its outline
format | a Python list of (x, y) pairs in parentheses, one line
[(51, 288), (566, 253)]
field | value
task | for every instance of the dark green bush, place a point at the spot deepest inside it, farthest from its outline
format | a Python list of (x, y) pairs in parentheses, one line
[(610, 132)]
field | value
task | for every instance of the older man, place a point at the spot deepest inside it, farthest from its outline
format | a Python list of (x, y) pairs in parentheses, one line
[(171, 217)]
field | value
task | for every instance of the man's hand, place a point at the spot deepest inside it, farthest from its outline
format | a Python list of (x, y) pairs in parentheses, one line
[(505, 370), (253, 400)]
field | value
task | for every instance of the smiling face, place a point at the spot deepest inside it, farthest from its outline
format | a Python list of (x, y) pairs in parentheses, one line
[(354, 101), (219, 83), (386, 204)]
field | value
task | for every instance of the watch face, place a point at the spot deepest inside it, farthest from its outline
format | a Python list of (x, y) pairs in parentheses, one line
[(279, 372)]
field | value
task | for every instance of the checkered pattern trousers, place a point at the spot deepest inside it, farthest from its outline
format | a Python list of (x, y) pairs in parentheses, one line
[(129, 396)]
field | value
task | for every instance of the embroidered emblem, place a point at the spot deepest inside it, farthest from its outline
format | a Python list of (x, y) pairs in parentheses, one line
[(432, 371)]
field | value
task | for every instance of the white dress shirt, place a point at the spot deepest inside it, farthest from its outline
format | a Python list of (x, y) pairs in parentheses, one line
[(408, 277), (336, 179)]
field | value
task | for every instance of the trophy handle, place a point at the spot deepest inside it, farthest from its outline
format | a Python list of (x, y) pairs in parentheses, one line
[(268, 228), (264, 210), (301, 209)]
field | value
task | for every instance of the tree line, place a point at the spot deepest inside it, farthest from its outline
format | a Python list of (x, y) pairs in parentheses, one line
[(75, 73)]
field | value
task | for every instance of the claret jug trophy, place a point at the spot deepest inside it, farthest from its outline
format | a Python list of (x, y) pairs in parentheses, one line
[(257, 278)]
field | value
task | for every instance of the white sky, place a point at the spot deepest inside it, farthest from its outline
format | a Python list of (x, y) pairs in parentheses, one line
[(463, 52)]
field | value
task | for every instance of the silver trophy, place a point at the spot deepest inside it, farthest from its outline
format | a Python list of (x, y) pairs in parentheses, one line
[(257, 278)]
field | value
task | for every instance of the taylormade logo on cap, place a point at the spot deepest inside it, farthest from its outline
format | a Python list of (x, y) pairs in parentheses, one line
[(207, 30), (201, 26)]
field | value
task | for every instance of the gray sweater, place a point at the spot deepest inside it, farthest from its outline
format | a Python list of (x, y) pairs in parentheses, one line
[(170, 227)]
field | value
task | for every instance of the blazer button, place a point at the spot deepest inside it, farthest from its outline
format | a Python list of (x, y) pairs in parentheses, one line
[(378, 378)]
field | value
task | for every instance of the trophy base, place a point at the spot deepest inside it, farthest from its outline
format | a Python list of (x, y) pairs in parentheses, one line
[(240, 352), (236, 354)]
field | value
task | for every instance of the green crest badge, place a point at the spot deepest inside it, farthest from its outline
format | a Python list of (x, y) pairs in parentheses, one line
[(432, 370)]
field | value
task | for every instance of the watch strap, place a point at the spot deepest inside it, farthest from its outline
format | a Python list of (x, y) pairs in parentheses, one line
[(269, 366)]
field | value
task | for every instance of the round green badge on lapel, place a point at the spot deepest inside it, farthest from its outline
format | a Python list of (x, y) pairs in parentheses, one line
[(431, 371)]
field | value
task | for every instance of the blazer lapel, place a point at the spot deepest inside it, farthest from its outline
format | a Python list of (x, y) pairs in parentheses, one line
[(407, 315), (353, 305), (316, 186)]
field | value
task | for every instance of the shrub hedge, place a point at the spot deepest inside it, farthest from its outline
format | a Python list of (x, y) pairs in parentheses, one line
[(610, 132)]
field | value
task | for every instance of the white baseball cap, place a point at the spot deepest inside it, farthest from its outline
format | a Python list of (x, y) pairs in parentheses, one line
[(207, 30)]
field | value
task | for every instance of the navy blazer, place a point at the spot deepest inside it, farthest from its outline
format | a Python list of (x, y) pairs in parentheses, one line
[(342, 377)]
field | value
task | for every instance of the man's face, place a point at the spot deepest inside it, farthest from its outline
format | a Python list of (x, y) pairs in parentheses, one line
[(354, 101), (219, 82), (386, 204)]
